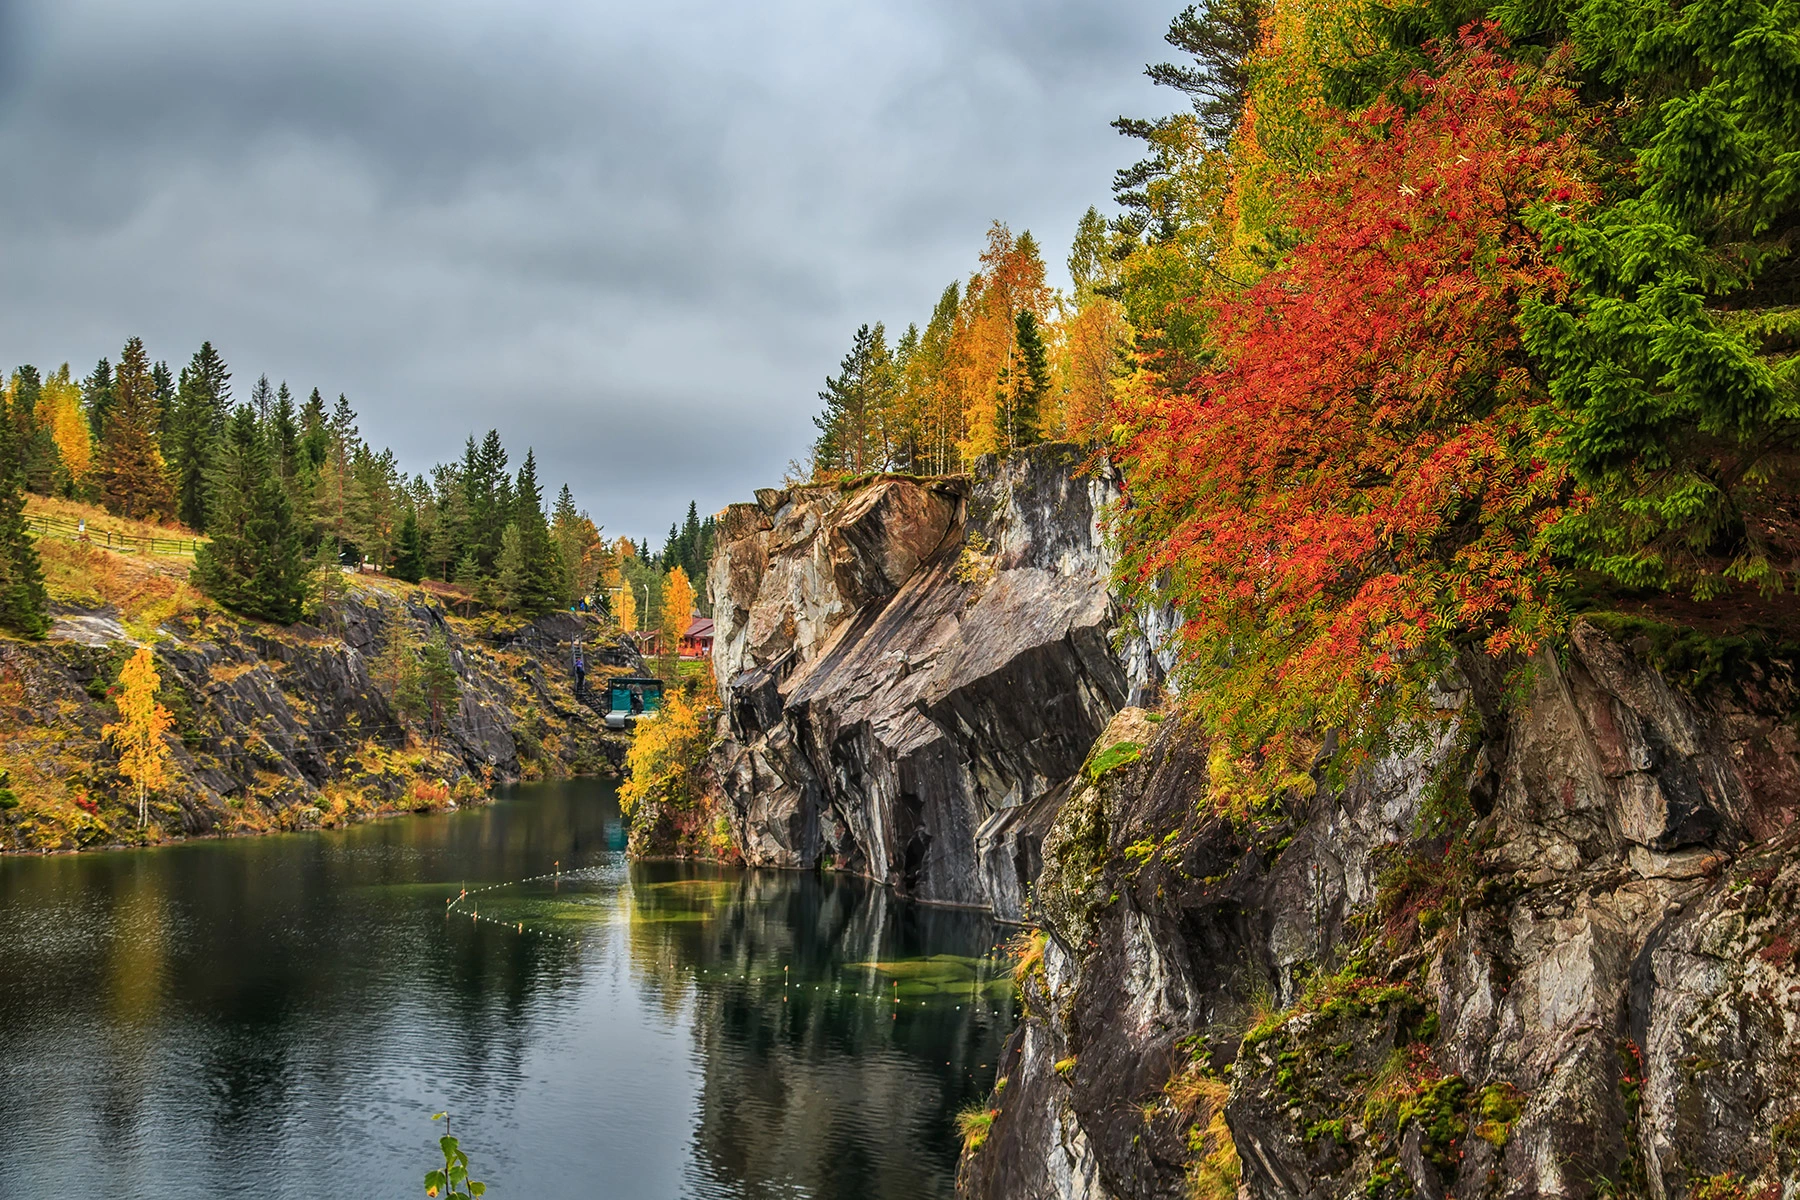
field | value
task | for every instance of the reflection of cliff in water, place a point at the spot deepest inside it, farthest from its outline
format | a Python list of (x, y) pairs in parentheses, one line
[(819, 1077)]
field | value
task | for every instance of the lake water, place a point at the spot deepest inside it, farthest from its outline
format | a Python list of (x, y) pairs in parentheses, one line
[(282, 1016)]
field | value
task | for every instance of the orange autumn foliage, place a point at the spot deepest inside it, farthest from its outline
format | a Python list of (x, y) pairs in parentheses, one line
[(1358, 485)]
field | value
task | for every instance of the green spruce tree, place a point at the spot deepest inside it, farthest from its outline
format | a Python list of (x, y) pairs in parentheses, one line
[(544, 586), (24, 606), (509, 570), (409, 557), (97, 397), (438, 682), (256, 562), (1027, 383), (202, 403)]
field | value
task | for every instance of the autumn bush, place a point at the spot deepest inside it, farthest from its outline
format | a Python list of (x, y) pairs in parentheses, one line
[(665, 757)]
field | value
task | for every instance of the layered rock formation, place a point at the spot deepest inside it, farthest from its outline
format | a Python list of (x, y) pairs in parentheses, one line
[(279, 728), (1549, 952), (913, 669)]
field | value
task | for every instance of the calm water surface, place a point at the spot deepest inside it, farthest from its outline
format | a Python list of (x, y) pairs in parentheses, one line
[(281, 1016)]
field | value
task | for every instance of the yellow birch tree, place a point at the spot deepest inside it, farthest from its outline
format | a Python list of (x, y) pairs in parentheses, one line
[(677, 614), (628, 614), (138, 735)]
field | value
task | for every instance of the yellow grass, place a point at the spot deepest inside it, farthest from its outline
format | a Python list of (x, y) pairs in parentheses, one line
[(100, 522), (146, 592)]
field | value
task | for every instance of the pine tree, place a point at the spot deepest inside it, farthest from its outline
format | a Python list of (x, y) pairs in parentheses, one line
[(690, 542), (281, 579), (851, 427), (397, 672), (484, 471), (262, 399), (284, 433), (1219, 34), (509, 569), (40, 460), (23, 602), (1026, 382), (131, 473), (577, 544), (163, 384), (202, 399), (448, 537), (438, 681), (468, 570), (97, 397), (315, 439), (409, 558), (256, 561), (544, 586)]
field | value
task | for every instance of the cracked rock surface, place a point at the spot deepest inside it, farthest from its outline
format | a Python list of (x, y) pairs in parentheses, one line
[(1590, 987), (912, 670)]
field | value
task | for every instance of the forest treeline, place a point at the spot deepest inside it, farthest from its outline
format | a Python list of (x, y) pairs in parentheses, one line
[(286, 490), (1004, 361), (1417, 325)]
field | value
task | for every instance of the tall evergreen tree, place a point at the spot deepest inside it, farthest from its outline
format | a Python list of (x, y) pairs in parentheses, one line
[(509, 569), (284, 434), (23, 602), (40, 461), (164, 384), (438, 681), (488, 488), (133, 478), (690, 542), (256, 561), (1026, 382), (202, 399), (315, 440), (544, 585), (1219, 35), (262, 399), (409, 556), (97, 397), (851, 426)]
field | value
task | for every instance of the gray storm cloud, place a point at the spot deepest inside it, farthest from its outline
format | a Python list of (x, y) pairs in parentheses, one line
[(634, 237)]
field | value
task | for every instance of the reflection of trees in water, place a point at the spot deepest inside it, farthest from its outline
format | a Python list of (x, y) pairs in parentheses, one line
[(209, 1016), (812, 1078), (208, 989)]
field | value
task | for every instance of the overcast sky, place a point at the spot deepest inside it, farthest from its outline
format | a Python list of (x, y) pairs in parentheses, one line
[(636, 237)]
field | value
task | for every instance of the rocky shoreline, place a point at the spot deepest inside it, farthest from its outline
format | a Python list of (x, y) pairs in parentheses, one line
[(1549, 949), (285, 728)]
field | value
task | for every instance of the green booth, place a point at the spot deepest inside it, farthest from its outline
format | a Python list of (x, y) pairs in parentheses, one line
[(630, 697)]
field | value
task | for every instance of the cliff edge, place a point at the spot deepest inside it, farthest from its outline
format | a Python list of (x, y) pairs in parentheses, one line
[(913, 669)]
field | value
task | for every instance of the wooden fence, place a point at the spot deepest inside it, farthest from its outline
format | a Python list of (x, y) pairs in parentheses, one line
[(66, 530)]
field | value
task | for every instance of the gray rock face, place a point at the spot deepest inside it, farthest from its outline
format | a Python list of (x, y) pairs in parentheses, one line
[(1590, 989), (910, 669)]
